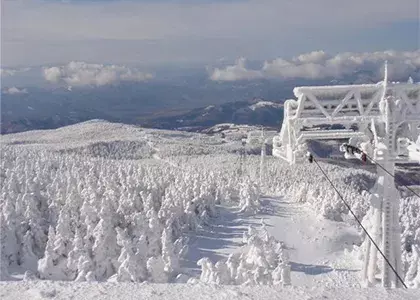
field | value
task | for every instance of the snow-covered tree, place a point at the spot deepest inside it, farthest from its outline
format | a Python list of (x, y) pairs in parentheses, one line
[(8, 240), (132, 264), (105, 248), (168, 252), (156, 269), (28, 258), (46, 265), (35, 222), (78, 250), (249, 197)]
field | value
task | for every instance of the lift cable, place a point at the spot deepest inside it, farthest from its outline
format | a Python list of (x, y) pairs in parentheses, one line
[(312, 159), (352, 149), (389, 173)]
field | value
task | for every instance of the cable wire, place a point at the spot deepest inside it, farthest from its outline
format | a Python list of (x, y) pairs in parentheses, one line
[(389, 173), (360, 223), (353, 149)]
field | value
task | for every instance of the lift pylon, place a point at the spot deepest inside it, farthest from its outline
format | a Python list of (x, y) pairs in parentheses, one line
[(382, 119)]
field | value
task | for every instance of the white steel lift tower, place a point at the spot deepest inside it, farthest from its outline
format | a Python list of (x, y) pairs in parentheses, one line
[(383, 120)]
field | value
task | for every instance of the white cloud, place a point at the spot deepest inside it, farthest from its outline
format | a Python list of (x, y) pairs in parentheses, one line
[(82, 74), (12, 72), (52, 74), (7, 72), (312, 57), (235, 72), (319, 65), (14, 90)]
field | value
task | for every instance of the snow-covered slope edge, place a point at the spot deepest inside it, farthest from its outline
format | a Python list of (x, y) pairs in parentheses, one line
[(146, 291)]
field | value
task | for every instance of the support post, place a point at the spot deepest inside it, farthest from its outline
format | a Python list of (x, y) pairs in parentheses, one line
[(262, 162)]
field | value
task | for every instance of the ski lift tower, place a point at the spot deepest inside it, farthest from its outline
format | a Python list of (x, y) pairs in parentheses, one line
[(383, 120)]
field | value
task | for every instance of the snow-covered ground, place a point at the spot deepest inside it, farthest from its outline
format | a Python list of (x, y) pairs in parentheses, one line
[(126, 291), (108, 202), (315, 245)]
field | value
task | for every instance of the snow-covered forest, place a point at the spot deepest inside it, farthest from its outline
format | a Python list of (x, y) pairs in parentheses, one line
[(108, 202)]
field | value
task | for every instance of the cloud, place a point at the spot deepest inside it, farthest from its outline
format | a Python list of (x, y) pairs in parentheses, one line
[(235, 72), (312, 57), (58, 31), (7, 72), (166, 19), (12, 72), (320, 65), (82, 74), (14, 90)]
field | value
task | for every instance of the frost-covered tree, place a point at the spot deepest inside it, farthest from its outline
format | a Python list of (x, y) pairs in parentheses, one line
[(232, 264), (241, 272), (4, 272), (168, 252), (28, 258), (222, 273), (89, 219), (35, 222), (156, 269), (78, 250), (154, 233), (132, 264), (8, 239), (85, 269), (250, 266), (46, 265), (256, 255), (61, 246), (249, 197), (105, 248), (7, 254)]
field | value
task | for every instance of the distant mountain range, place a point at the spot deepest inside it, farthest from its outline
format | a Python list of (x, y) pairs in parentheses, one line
[(251, 112), (190, 102), (160, 104)]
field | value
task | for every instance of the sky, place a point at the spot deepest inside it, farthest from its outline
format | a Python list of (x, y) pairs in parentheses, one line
[(38, 33)]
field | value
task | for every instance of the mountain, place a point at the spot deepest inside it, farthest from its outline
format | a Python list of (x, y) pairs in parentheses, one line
[(141, 103), (190, 101), (252, 112)]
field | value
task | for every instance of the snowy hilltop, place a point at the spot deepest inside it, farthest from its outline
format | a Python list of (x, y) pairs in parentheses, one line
[(112, 203)]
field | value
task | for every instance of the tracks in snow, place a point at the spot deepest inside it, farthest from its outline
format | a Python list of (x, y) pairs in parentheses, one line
[(155, 154)]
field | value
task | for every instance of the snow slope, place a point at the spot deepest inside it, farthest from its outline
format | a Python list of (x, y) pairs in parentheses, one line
[(315, 245), (161, 201), (265, 104), (125, 291)]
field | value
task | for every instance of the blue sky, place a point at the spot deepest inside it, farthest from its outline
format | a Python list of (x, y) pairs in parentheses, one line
[(201, 31)]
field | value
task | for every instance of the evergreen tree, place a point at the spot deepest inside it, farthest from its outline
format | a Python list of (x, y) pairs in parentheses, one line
[(46, 264), (105, 248), (156, 269), (168, 255), (74, 255), (28, 258), (35, 223)]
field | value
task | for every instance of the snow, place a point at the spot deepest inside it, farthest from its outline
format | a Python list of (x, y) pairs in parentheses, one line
[(125, 291), (361, 87), (265, 104), (111, 204), (316, 245)]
